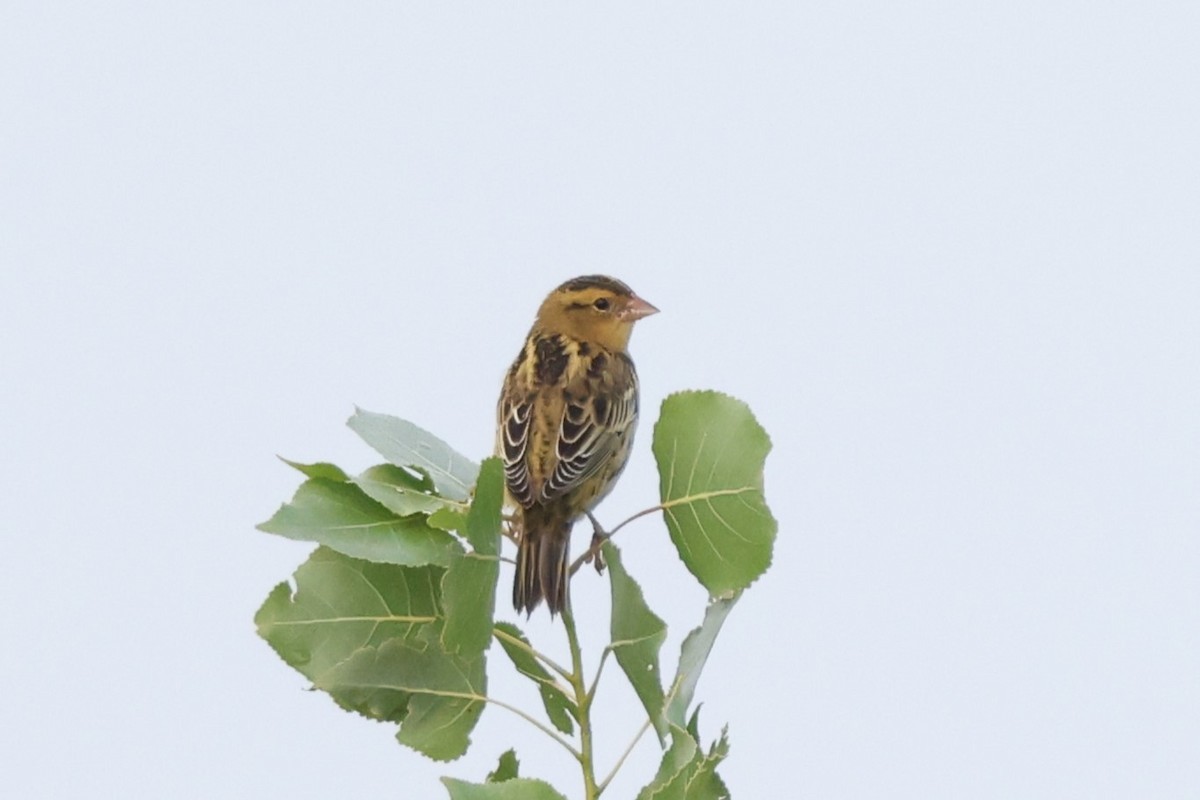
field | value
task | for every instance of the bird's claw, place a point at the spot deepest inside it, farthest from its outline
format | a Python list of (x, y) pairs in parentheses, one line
[(599, 537)]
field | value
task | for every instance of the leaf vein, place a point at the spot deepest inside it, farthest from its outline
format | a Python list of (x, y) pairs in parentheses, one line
[(721, 519)]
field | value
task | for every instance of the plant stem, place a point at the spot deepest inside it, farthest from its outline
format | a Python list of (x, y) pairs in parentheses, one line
[(528, 648), (591, 552), (583, 703), (509, 707), (599, 669), (620, 761)]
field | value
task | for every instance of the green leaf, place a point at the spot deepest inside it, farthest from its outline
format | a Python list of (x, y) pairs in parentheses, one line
[(705, 783), (560, 708), (675, 762), (507, 769), (448, 519), (446, 693), (469, 598), (483, 519), (710, 452), (400, 491), (368, 634), (406, 445), (321, 469), (516, 789), (687, 772), (637, 637), (469, 588), (341, 516), (343, 604), (692, 656)]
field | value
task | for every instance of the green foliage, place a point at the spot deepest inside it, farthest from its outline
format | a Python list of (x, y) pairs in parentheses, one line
[(560, 707), (687, 772), (367, 633), (340, 515), (516, 789), (321, 469), (444, 693), (341, 604), (469, 586), (507, 769), (469, 599), (692, 656), (405, 445), (482, 527), (394, 612), (710, 452), (401, 491), (637, 636)]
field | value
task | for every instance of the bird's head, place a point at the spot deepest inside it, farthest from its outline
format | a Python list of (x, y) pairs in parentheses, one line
[(593, 308)]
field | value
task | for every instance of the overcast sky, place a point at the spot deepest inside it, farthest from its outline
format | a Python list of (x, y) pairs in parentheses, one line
[(948, 253)]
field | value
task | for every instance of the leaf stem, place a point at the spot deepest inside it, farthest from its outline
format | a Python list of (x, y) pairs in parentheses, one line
[(583, 704), (531, 720), (592, 551), (599, 669), (539, 655), (472, 696), (621, 761)]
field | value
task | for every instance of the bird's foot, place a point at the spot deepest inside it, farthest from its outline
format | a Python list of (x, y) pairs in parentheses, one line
[(599, 537)]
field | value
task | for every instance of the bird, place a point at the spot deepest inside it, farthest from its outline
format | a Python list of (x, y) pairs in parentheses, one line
[(566, 418)]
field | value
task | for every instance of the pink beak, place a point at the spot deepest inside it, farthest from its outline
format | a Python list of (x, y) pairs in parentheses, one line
[(637, 309)]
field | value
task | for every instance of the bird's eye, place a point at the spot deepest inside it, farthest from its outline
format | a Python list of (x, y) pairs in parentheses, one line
[(601, 304)]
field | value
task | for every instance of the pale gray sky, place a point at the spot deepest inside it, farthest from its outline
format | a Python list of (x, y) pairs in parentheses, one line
[(948, 253)]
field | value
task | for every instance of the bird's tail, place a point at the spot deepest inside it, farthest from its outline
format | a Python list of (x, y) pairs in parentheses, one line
[(542, 567)]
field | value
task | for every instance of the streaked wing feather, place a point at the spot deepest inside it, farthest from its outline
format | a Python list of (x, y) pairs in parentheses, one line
[(514, 444), (590, 433)]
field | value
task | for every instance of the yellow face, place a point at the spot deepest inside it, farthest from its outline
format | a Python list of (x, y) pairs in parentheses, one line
[(594, 313)]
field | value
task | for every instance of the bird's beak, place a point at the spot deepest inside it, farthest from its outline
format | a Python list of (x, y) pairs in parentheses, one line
[(637, 309)]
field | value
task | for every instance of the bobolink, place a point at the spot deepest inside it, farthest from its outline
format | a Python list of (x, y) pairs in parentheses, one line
[(566, 419)]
